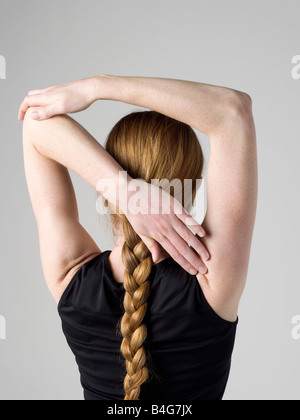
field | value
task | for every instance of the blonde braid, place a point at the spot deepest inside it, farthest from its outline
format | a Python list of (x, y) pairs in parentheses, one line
[(138, 264)]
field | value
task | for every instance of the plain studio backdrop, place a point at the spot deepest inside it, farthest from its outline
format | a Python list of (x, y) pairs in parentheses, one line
[(246, 45)]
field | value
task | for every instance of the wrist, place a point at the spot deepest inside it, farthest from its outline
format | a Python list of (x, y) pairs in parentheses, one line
[(93, 88), (113, 88), (101, 87), (123, 191), (116, 189)]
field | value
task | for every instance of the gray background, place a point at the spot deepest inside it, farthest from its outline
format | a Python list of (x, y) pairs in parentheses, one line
[(247, 45)]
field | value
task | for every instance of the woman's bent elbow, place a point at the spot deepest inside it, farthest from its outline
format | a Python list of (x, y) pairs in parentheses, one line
[(241, 103)]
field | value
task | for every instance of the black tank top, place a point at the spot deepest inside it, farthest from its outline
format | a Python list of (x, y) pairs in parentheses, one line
[(190, 345)]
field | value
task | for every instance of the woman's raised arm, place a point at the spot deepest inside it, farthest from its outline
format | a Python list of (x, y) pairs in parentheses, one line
[(64, 141), (205, 107), (225, 115)]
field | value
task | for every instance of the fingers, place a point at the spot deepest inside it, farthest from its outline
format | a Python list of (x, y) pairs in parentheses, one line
[(191, 239), (183, 250), (45, 112), (36, 98), (188, 220), (153, 247), (43, 109), (183, 261), (39, 91), (30, 101)]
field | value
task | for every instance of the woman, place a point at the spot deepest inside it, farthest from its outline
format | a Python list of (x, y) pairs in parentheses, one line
[(162, 299)]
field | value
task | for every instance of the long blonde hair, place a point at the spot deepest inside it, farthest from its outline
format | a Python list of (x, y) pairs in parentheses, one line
[(148, 145)]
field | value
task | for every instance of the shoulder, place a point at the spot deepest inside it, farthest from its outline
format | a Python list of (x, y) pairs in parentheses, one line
[(225, 306), (193, 290), (86, 263), (174, 290)]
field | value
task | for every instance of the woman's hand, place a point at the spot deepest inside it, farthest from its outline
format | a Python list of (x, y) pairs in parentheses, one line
[(159, 218), (65, 99)]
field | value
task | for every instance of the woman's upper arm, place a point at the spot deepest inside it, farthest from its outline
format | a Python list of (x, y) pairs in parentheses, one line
[(64, 243), (231, 208)]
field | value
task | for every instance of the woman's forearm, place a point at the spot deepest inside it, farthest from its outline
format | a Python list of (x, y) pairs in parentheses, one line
[(63, 140), (204, 107)]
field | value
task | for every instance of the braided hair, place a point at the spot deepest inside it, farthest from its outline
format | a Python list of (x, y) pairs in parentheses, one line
[(138, 264), (148, 145)]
